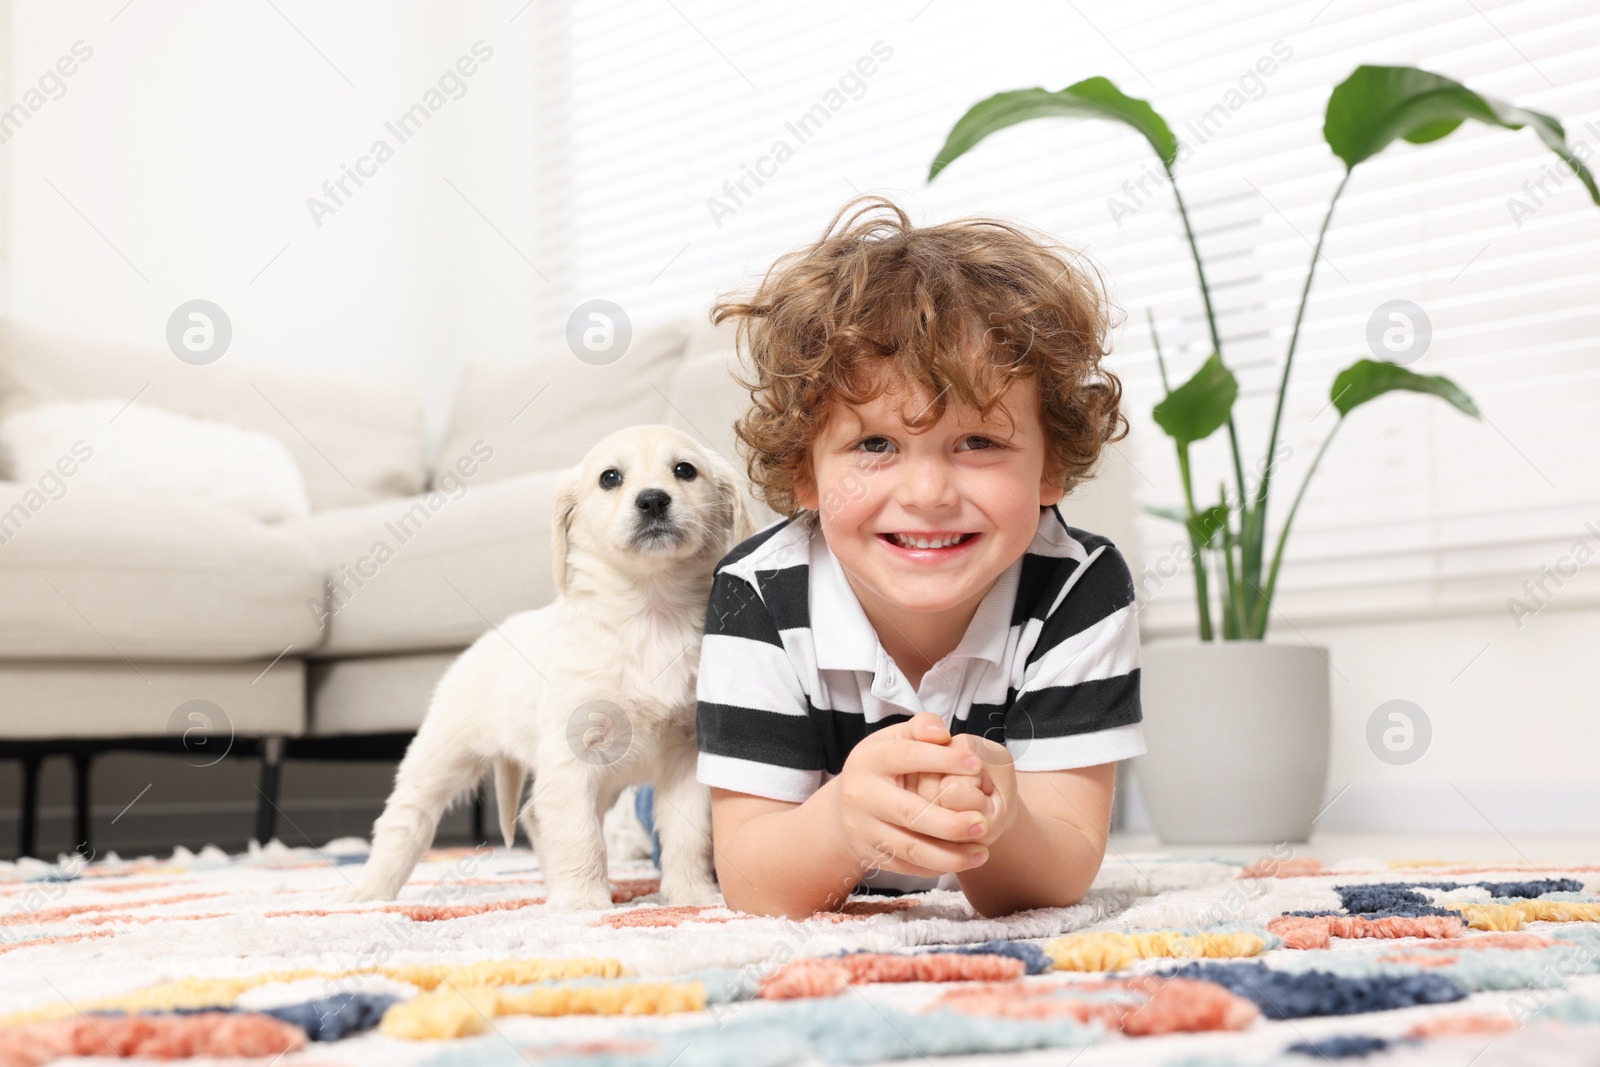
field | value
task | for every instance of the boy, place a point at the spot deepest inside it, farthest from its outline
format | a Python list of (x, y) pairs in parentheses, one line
[(922, 676)]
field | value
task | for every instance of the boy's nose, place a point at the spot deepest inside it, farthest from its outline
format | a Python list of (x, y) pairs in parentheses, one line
[(925, 482)]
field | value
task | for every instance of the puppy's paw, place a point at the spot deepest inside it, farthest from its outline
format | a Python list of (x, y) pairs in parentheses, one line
[(697, 894), (361, 893), (579, 900)]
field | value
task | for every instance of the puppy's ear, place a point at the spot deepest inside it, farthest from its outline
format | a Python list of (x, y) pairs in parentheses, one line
[(561, 527), (730, 485)]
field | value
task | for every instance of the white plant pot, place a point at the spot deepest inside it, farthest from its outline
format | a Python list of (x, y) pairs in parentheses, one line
[(1237, 733)]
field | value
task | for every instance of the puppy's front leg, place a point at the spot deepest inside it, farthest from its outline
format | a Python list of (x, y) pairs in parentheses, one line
[(570, 843), (683, 821)]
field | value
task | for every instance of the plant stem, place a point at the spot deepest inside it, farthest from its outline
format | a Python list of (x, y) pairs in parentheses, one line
[(1216, 346), (1202, 594), (1235, 605), (1255, 530), (1210, 320), (1258, 626), (1161, 363)]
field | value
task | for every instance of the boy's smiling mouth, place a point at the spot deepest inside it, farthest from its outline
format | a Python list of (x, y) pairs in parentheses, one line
[(929, 543)]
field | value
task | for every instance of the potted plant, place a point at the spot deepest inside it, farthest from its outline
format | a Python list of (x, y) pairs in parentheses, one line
[(1238, 728)]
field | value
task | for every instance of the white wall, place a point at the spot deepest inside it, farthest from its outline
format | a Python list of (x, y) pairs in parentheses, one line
[(1510, 695), (1512, 712), (178, 162)]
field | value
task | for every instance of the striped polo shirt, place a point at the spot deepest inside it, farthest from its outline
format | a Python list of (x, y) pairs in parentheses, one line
[(792, 674)]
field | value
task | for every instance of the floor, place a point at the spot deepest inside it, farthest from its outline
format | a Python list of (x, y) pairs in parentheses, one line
[(1334, 848)]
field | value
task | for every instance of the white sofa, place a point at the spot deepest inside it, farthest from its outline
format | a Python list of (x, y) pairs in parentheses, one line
[(323, 635)]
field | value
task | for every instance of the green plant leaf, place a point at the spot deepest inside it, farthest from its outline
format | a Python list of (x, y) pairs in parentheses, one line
[(1368, 379), (1200, 406), (1375, 105), (1207, 526), (1092, 98)]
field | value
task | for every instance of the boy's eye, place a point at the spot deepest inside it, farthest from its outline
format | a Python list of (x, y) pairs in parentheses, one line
[(881, 445)]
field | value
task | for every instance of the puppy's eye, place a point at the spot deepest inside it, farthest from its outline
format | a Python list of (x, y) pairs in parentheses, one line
[(610, 478), (685, 471)]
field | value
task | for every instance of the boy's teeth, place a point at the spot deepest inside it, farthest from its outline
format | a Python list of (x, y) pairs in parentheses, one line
[(905, 541)]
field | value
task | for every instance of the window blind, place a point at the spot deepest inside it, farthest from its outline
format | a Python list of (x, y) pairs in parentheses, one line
[(691, 142)]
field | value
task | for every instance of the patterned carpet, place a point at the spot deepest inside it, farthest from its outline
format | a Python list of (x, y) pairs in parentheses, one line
[(1169, 961)]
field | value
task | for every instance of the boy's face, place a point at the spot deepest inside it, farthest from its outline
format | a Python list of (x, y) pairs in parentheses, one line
[(981, 482)]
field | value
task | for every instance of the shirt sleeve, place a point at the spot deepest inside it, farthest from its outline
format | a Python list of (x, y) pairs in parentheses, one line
[(1079, 701), (753, 727)]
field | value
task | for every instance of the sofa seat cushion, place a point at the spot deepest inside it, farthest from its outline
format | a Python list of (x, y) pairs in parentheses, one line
[(374, 694), (205, 706), (93, 576), (432, 571)]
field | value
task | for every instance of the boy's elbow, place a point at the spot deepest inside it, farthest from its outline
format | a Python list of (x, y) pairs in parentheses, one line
[(756, 904), (997, 907), (740, 895), (741, 898)]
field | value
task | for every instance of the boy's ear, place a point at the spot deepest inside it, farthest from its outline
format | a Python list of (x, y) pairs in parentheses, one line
[(805, 488), (1050, 487)]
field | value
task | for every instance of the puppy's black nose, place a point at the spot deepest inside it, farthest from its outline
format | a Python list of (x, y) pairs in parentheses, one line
[(653, 502)]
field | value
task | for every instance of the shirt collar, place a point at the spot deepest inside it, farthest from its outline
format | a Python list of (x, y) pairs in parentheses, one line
[(845, 640)]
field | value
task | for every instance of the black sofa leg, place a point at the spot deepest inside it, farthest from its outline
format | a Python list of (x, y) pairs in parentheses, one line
[(477, 815), (28, 827), (267, 806), (81, 760)]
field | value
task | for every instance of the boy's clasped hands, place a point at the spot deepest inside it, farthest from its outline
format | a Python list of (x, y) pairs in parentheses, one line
[(916, 800)]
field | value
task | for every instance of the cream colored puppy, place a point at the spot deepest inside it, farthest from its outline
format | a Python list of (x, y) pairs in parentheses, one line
[(593, 692)]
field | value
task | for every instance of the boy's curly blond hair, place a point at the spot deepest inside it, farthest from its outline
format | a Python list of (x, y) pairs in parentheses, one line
[(876, 290)]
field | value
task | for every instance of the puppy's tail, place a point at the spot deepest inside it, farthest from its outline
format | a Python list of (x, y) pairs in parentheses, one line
[(508, 796)]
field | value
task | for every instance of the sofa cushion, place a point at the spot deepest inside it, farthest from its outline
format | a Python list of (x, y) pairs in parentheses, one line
[(207, 705), (355, 440), (146, 451), (433, 571), (706, 337), (99, 576), (373, 694), (547, 413), (704, 400)]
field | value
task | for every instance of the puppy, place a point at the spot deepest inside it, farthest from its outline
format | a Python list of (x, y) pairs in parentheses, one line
[(593, 692)]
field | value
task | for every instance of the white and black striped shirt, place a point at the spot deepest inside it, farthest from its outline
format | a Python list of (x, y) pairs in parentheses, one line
[(792, 674)]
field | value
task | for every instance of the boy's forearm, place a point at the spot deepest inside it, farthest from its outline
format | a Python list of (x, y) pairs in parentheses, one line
[(792, 863), (1040, 862)]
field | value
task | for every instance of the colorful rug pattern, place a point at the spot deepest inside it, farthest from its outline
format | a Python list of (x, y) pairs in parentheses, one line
[(1168, 960)]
